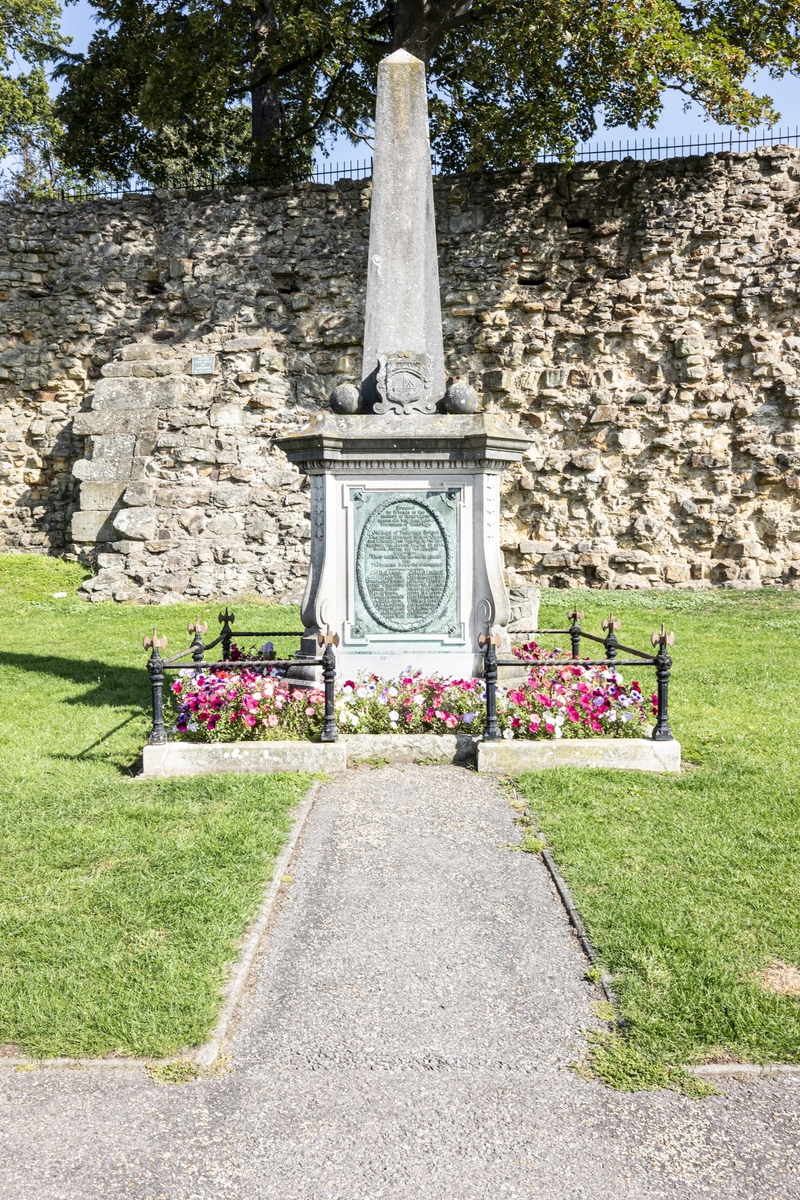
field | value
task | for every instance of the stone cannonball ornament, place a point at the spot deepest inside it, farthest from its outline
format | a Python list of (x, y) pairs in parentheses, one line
[(461, 398), (345, 399)]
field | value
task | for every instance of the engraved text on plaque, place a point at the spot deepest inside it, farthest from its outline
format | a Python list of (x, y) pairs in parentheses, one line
[(406, 567)]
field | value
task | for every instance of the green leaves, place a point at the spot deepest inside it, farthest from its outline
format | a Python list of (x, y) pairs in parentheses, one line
[(29, 38), (253, 86)]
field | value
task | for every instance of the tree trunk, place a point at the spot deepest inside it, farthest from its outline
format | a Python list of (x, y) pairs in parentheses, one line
[(421, 25), (266, 112), (265, 101)]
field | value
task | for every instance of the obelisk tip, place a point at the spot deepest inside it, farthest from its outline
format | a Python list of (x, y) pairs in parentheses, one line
[(400, 56)]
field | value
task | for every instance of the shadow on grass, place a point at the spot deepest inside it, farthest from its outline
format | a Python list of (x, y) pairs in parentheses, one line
[(108, 685)]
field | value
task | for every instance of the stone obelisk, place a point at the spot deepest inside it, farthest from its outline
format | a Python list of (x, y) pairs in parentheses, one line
[(406, 561), (403, 314)]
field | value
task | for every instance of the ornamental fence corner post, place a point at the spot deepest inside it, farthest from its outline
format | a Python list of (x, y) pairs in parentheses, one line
[(198, 628), (663, 664), (575, 631), (328, 639), (226, 619), (610, 641), (155, 669), (491, 642)]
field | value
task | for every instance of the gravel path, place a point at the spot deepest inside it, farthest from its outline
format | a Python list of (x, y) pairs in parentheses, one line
[(406, 1034)]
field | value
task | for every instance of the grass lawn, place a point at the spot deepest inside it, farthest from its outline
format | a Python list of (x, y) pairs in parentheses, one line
[(690, 885), (121, 903)]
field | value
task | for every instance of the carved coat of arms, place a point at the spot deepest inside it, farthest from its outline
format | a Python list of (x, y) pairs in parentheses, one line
[(405, 383)]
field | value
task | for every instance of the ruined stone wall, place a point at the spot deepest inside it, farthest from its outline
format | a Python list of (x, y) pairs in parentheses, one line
[(640, 320)]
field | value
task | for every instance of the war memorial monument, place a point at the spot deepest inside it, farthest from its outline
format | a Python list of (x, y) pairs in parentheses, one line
[(406, 565)]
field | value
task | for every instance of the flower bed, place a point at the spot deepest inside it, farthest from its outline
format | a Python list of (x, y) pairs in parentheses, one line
[(553, 701)]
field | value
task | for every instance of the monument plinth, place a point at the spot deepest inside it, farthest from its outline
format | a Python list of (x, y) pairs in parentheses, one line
[(406, 563)]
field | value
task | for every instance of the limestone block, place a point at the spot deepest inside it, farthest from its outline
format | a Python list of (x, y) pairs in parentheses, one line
[(92, 424), (409, 747), (102, 470), (141, 493), (226, 416), (169, 581), (629, 556), (92, 526), (240, 344), (138, 524), (101, 496), (194, 758), (225, 525), (118, 394), (113, 445), (629, 439), (627, 754)]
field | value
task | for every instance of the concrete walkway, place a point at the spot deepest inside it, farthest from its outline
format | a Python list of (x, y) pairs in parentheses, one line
[(406, 1034)]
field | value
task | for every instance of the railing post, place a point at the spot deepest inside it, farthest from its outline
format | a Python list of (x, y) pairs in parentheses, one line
[(663, 664), (198, 628), (226, 619), (155, 669), (491, 641), (575, 631), (612, 625), (329, 731)]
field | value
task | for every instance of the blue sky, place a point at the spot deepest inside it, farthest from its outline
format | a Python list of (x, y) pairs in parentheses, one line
[(78, 24)]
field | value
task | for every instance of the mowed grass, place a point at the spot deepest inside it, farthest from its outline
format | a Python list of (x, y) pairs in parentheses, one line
[(690, 885), (121, 902)]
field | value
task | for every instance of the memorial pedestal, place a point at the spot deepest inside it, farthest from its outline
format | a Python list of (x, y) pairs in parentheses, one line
[(406, 565)]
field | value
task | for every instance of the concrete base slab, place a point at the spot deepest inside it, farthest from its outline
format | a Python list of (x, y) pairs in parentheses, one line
[(410, 747), (220, 758), (628, 754)]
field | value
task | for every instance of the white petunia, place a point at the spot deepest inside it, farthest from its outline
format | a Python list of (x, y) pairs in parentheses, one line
[(508, 734), (394, 717)]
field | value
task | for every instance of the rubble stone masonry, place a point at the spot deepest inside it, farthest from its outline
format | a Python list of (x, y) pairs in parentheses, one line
[(641, 321)]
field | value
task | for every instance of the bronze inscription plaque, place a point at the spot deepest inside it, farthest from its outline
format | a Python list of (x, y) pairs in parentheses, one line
[(405, 561)]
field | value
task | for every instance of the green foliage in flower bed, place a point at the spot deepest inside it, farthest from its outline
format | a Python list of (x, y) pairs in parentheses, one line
[(121, 902), (690, 885)]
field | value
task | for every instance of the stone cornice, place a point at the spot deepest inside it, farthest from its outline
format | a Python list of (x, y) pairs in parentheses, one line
[(483, 441)]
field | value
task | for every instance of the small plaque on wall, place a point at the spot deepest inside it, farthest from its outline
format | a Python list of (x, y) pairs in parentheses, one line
[(203, 364)]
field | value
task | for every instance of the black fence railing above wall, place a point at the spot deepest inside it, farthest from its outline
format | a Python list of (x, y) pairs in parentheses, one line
[(158, 667), (685, 146), (643, 149), (660, 661)]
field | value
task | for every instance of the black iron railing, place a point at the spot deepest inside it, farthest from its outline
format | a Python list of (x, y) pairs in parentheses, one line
[(660, 661), (157, 667), (208, 180)]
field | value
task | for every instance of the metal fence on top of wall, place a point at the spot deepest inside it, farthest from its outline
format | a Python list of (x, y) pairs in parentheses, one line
[(324, 172)]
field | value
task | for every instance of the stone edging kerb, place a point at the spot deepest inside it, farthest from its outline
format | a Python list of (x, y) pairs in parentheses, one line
[(493, 758)]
